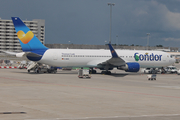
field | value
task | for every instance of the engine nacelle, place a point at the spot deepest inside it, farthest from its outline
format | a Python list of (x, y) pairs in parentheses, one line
[(130, 67)]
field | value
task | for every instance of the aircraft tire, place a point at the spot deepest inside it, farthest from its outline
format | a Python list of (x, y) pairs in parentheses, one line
[(94, 72), (55, 71)]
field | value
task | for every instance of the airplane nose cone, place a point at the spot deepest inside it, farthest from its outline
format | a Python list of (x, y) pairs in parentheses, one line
[(173, 60)]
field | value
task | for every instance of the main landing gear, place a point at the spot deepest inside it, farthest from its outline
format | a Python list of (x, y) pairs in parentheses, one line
[(106, 72), (92, 71)]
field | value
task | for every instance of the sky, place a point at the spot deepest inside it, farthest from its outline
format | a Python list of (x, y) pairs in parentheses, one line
[(88, 21)]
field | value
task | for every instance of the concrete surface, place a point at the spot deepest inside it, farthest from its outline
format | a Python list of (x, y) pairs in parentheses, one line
[(63, 96)]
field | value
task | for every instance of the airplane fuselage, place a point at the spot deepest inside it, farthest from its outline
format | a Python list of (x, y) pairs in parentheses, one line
[(90, 58), (128, 60)]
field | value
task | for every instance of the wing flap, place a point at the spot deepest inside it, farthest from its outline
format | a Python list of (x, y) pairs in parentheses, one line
[(116, 61)]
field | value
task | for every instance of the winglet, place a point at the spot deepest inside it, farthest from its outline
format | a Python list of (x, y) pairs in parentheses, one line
[(113, 52)]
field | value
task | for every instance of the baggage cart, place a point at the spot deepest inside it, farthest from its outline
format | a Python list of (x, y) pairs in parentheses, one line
[(151, 77), (84, 73)]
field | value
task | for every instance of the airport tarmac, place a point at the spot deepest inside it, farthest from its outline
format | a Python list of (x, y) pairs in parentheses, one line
[(64, 96)]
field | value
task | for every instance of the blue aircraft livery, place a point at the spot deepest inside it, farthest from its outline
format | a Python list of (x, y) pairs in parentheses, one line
[(147, 57)]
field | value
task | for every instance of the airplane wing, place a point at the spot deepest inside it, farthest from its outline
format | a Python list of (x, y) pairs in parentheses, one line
[(9, 53), (115, 60), (112, 62)]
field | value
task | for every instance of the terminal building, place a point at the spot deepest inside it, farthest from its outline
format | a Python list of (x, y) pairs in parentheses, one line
[(8, 37)]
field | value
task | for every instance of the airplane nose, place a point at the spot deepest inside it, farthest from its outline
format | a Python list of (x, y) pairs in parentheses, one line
[(172, 60)]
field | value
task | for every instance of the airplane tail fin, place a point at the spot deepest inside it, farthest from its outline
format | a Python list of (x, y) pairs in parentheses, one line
[(29, 42)]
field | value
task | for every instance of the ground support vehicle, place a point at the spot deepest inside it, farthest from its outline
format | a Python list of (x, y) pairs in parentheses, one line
[(162, 70), (32, 66), (151, 77), (84, 73), (150, 71), (178, 72), (40, 68), (171, 69), (22, 65), (45, 69)]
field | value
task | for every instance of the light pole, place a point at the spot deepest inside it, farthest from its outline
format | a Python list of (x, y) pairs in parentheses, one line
[(117, 41), (111, 4), (69, 44), (148, 40), (105, 43)]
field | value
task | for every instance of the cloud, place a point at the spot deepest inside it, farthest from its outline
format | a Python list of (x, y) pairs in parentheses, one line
[(171, 39), (87, 22), (170, 20), (151, 15)]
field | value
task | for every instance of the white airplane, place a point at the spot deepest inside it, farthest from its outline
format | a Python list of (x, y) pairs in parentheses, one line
[(128, 60)]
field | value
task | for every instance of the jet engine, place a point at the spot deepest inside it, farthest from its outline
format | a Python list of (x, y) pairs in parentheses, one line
[(130, 67)]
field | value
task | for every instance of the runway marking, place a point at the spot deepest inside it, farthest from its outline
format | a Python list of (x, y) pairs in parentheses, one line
[(100, 89), (169, 87), (12, 112), (111, 117)]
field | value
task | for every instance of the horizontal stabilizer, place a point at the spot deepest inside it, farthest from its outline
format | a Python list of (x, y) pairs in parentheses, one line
[(9, 53)]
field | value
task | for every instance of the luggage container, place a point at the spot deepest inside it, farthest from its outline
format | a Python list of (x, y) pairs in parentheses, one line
[(83, 73), (151, 77)]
